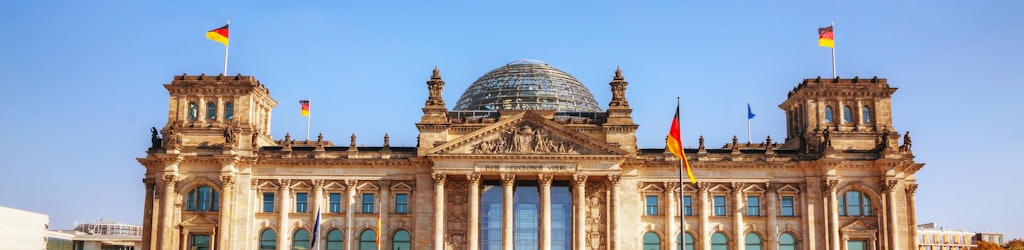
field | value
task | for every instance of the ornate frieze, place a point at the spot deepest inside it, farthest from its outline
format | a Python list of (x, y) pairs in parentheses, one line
[(457, 214), (596, 215), (525, 139)]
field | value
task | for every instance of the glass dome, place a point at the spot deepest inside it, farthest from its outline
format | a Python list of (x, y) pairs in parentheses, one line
[(527, 85)]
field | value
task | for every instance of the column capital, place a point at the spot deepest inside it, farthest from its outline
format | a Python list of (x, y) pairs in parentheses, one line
[(170, 179), (579, 179), (670, 186), (227, 180), (911, 189), (350, 184), (614, 179), (474, 178), (888, 186), (508, 180), (150, 183), (384, 184), (285, 184), (544, 179), (830, 185), (318, 183), (703, 187), (737, 187), (439, 179)]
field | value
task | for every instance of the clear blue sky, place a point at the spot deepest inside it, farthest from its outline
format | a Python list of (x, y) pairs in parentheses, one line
[(82, 80)]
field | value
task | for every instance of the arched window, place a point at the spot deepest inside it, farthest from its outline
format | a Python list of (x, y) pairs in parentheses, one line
[(202, 198), (193, 111), (268, 240), (854, 203), (719, 242), (828, 114), (229, 111), (334, 240), (211, 111), (685, 244), (753, 242), (300, 241), (651, 241), (367, 240), (847, 114), (865, 114), (787, 242), (401, 241)]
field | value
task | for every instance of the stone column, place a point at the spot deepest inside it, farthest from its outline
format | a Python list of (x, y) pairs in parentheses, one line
[(833, 214), (384, 210), (705, 211), (147, 214), (508, 182), (183, 245), (579, 182), (737, 215), (912, 211), (226, 207), (773, 208), (544, 180), (615, 207), (890, 194), (167, 212), (809, 218), (350, 191), (284, 230), (670, 214), (439, 180), (201, 110), (220, 109), (474, 211)]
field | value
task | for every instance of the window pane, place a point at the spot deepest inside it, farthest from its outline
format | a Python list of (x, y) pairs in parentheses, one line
[(268, 240), (334, 240), (526, 211), (847, 114), (828, 114), (335, 202), (787, 206), (301, 200), (368, 240), (200, 242), (300, 240), (490, 217), (652, 205), (651, 241), (753, 206), (787, 242), (865, 114), (401, 203), (752, 241), (191, 200), (401, 241), (368, 203), (268, 202), (203, 198), (211, 111), (193, 111), (856, 245), (719, 242), (229, 111), (719, 205), (853, 203), (688, 205)]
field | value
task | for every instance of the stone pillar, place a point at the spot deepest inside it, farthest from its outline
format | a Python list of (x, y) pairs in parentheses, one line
[(544, 181), (615, 207), (284, 229), (579, 182), (737, 215), (147, 215), (183, 245), (773, 207), (705, 211), (809, 217), (508, 182), (890, 195), (474, 211), (439, 180), (670, 214), (912, 211), (833, 214), (201, 110), (167, 212), (226, 208), (350, 192), (384, 210)]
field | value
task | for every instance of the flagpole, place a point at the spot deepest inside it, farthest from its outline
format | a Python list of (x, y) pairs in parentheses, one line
[(226, 55), (308, 115), (832, 24), (682, 210)]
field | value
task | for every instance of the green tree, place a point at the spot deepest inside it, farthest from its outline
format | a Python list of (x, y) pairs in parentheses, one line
[(982, 245)]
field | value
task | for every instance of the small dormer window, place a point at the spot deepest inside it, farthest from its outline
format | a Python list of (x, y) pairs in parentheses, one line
[(211, 111), (847, 114), (828, 114), (193, 111)]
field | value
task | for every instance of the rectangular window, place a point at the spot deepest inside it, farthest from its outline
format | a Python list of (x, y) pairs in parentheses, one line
[(719, 205), (787, 206), (301, 199), (688, 205), (401, 203), (753, 206), (200, 242), (368, 203), (268, 202), (335, 199), (652, 205)]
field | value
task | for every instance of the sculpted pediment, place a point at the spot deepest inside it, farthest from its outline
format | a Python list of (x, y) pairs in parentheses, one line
[(198, 220), (526, 134)]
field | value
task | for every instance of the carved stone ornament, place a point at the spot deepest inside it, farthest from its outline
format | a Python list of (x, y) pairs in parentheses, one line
[(227, 180), (508, 180), (544, 179), (596, 208), (525, 139), (579, 179), (830, 185), (439, 179), (911, 189), (457, 213), (474, 178)]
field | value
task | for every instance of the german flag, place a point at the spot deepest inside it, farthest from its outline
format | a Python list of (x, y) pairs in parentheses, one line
[(825, 37), (219, 34), (305, 107), (675, 145)]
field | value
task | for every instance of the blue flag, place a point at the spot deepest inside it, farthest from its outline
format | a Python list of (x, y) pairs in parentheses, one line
[(750, 114), (316, 229)]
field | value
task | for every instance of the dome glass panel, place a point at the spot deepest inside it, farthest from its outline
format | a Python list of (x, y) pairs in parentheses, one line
[(527, 85)]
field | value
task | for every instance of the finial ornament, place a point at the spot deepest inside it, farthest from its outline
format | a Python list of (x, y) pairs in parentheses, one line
[(435, 86), (352, 143)]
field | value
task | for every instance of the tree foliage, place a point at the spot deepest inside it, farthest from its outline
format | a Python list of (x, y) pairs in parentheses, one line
[(983, 245), (1015, 244)]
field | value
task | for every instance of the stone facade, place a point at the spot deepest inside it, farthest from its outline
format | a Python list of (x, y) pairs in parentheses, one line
[(840, 178)]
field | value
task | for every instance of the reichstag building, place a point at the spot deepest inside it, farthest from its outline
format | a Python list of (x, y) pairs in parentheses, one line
[(528, 159)]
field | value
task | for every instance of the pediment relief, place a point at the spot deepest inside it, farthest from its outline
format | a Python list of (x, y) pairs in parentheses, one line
[(526, 134), (198, 220), (858, 225)]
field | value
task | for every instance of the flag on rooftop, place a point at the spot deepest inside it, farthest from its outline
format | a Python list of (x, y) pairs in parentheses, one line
[(675, 145), (219, 34), (305, 107), (825, 37), (750, 114)]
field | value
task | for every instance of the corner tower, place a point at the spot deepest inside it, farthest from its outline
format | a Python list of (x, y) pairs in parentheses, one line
[(207, 111), (840, 113)]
